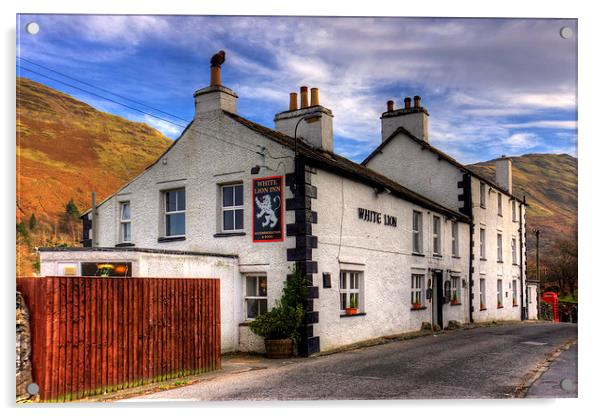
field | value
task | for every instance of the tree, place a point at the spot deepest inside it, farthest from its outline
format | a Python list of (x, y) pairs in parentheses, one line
[(72, 209), (563, 267)]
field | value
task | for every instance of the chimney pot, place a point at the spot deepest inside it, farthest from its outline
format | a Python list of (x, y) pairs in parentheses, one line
[(416, 101), (294, 103), (407, 103), (315, 99), (304, 97), (390, 105)]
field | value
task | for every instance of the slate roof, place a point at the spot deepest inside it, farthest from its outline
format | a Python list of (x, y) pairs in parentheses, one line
[(343, 166)]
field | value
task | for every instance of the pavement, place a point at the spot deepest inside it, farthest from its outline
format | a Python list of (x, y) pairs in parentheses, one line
[(560, 379), (487, 362)]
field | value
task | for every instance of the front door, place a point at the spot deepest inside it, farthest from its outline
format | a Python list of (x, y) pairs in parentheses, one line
[(438, 298)]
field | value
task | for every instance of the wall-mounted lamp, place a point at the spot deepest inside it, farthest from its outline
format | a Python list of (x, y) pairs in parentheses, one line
[(255, 169)]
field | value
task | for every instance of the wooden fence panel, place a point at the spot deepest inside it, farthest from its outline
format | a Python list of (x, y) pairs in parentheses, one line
[(92, 335)]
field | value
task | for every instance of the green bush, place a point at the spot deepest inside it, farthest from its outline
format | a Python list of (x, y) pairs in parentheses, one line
[(285, 319)]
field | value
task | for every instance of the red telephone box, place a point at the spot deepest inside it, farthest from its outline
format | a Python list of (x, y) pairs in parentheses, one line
[(552, 298)]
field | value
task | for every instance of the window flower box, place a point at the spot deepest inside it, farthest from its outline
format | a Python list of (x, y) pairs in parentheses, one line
[(455, 302), (416, 305), (351, 311)]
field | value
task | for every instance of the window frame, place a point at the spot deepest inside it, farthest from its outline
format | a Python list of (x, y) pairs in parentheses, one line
[(417, 232), (345, 275), (500, 207), (233, 207), (483, 194), (437, 235), (514, 210), (456, 288), (514, 251), (500, 293), (482, 243), (482, 293), (455, 234), (257, 277), (125, 222), (417, 291), (500, 247), (167, 213), (514, 293)]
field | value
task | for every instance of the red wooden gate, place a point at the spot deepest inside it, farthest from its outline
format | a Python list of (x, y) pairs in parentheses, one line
[(92, 335)]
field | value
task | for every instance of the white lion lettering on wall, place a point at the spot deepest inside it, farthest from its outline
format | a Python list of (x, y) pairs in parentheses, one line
[(265, 208)]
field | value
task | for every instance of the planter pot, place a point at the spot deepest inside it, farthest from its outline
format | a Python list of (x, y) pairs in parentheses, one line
[(417, 306), (351, 311), (278, 348)]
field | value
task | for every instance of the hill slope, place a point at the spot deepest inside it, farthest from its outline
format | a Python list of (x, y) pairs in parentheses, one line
[(66, 149), (549, 181)]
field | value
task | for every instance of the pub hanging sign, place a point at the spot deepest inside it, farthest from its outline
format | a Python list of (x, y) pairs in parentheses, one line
[(268, 215)]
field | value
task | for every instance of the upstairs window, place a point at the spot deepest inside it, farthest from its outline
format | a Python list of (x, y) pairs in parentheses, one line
[(175, 212), (417, 232), (232, 208), (482, 243), (455, 243), (499, 204), (499, 248), (125, 223), (513, 210), (483, 194), (436, 235), (514, 251)]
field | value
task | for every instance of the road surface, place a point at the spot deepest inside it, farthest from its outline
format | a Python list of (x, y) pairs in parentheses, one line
[(487, 362)]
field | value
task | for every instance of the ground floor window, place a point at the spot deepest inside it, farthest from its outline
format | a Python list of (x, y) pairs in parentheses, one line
[(500, 299), (455, 290), (106, 269), (514, 293), (417, 296), (482, 294), (256, 296), (350, 290)]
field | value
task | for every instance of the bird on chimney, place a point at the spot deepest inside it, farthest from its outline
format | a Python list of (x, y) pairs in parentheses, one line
[(218, 59)]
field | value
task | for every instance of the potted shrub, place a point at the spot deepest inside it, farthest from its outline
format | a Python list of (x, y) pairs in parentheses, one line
[(280, 327), (352, 309)]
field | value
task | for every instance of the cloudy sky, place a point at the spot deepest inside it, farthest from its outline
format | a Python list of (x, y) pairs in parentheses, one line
[(491, 86)]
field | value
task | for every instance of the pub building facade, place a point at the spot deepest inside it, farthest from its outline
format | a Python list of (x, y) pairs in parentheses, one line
[(245, 203)]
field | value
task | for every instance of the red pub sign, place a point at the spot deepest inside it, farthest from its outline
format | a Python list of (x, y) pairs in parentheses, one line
[(268, 215)]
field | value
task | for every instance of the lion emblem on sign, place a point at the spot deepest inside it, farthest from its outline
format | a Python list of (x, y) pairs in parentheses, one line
[(266, 209)]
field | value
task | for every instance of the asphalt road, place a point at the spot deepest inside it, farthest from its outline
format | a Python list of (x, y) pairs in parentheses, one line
[(485, 362)]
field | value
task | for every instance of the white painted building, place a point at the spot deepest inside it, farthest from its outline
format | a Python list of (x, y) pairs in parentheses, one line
[(244, 203), (498, 264)]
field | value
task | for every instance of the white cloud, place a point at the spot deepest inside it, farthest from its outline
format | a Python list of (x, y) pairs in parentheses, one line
[(168, 129), (551, 124), (522, 141)]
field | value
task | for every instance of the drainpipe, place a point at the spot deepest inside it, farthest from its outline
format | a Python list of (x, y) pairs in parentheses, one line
[(523, 313), (94, 222), (468, 205)]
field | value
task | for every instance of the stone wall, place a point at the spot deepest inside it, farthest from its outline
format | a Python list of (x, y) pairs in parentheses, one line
[(23, 357)]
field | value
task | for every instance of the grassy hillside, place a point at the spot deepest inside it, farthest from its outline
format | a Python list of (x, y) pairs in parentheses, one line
[(549, 182), (65, 150)]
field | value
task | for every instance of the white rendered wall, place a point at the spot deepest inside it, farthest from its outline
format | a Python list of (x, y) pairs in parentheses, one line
[(169, 265), (383, 254), (405, 161)]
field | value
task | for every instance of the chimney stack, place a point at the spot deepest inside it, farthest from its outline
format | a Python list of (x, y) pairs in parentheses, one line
[(412, 118), (304, 97), (390, 106), (215, 96), (310, 122), (294, 103), (315, 99), (503, 173)]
